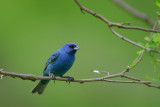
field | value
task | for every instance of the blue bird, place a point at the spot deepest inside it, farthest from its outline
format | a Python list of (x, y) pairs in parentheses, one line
[(57, 65)]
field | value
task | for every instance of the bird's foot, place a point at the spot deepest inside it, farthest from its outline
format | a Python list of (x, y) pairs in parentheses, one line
[(69, 79), (53, 77)]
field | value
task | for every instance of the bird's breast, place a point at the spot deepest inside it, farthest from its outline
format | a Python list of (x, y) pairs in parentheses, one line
[(62, 64)]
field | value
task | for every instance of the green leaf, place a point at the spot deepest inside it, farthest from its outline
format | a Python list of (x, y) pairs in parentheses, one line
[(159, 76), (154, 42), (157, 38), (155, 79), (155, 68), (146, 38), (134, 62), (158, 61), (142, 44), (152, 79), (154, 35), (147, 45), (140, 52), (148, 77), (152, 45), (158, 3), (158, 12)]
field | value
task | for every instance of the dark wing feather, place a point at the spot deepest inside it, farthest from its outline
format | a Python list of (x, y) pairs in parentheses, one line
[(51, 59)]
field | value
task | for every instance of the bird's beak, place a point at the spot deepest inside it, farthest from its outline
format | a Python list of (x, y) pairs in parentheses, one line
[(76, 48)]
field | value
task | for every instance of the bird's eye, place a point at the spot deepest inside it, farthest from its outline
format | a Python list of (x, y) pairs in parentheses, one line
[(71, 46)]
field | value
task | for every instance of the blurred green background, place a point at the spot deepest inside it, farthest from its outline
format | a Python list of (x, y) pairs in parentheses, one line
[(31, 30)]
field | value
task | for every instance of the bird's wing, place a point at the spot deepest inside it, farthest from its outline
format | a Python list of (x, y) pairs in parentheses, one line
[(51, 59)]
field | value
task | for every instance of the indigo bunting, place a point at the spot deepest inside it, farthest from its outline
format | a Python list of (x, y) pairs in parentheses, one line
[(57, 65)]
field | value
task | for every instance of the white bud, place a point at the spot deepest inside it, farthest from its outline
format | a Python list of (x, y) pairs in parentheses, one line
[(95, 71), (1, 76)]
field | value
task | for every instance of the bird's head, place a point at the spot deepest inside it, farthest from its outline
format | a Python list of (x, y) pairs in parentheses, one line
[(70, 48)]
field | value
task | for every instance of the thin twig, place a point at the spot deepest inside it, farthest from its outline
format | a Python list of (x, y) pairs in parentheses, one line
[(111, 24), (132, 42), (154, 27), (139, 82), (135, 12), (124, 38), (140, 58), (133, 27)]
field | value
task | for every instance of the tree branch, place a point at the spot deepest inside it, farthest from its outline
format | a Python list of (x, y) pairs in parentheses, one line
[(105, 78), (135, 12), (111, 24)]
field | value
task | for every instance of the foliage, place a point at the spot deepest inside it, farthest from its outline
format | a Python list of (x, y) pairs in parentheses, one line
[(139, 53), (152, 42)]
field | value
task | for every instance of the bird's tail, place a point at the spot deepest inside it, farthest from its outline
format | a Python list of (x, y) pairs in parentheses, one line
[(40, 87)]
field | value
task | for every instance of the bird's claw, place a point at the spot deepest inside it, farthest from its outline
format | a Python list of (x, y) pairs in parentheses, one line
[(69, 79), (53, 77)]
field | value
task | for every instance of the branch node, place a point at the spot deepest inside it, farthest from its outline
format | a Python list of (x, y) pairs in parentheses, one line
[(107, 73), (95, 14), (126, 23), (82, 11), (13, 77), (126, 70), (81, 82), (122, 75), (33, 80), (23, 78), (110, 25)]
